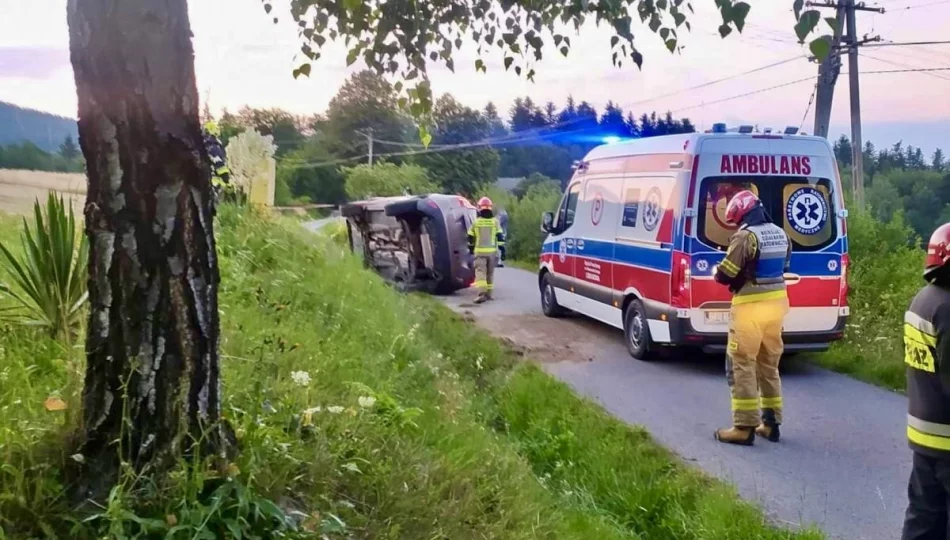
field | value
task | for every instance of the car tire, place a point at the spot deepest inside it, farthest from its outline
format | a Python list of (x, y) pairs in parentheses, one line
[(549, 305), (636, 331)]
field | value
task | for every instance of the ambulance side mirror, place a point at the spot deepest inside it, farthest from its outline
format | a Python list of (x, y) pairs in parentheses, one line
[(547, 222)]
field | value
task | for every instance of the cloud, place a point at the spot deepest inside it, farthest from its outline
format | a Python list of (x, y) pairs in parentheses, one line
[(32, 62)]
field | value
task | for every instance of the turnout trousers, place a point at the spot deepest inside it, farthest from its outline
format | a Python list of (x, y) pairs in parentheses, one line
[(928, 494), (485, 273), (752, 359)]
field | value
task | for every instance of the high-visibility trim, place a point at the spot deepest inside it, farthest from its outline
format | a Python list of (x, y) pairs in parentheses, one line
[(919, 323), (771, 402), (931, 428), (759, 297), (729, 268), (481, 283), (917, 335), (485, 250), (919, 349), (222, 170), (926, 440), (743, 404)]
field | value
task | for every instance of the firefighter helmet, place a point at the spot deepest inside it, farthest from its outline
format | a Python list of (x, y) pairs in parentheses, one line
[(484, 203), (938, 251), (740, 205)]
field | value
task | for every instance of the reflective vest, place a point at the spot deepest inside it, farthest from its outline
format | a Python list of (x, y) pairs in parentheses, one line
[(487, 235), (770, 245), (928, 375)]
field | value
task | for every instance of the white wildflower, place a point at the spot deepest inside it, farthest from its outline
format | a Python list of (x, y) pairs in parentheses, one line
[(335, 409), (301, 377), (312, 410), (478, 363), (78, 458), (367, 402)]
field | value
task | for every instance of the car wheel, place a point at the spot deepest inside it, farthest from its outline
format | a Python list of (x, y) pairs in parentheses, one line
[(549, 304), (636, 331)]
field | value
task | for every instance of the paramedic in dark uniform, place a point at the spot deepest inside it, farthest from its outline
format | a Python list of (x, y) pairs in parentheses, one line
[(927, 354), (753, 268), (503, 223)]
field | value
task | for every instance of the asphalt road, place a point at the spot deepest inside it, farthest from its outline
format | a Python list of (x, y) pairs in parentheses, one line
[(843, 461)]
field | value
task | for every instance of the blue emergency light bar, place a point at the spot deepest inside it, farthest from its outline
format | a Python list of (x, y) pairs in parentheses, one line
[(719, 128)]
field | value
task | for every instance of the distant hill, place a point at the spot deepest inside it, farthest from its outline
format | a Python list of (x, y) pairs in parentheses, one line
[(42, 129)]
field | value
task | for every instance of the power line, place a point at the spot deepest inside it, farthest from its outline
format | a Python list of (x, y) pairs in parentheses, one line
[(747, 94), (901, 44), (808, 107), (910, 68), (918, 6), (717, 81)]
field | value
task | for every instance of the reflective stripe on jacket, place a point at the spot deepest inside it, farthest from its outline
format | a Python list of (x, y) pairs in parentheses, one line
[(926, 352), (486, 235)]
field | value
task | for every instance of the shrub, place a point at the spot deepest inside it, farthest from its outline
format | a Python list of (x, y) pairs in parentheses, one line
[(386, 180), (49, 278)]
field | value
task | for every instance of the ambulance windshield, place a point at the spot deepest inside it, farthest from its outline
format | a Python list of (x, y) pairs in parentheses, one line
[(803, 206)]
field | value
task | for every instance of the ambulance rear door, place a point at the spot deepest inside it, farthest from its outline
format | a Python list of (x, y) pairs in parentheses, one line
[(797, 181)]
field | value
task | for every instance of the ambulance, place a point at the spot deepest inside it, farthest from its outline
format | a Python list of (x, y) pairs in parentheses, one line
[(641, 227)]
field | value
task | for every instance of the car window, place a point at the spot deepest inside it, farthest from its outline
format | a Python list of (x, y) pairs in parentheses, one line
[(569, 207), (802, 206)]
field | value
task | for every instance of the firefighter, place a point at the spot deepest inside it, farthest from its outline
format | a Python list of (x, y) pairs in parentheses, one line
[(484, 239), (220, 174), (503, 223), (927, 353), (753, 268)]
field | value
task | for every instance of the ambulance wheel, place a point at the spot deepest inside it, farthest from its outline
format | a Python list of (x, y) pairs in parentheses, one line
[(636, 331), (549, 304)]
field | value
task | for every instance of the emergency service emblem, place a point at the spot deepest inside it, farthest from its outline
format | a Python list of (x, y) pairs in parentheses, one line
[(806, 211), (597, 209), (562, 250), (702, 265), (652, 209)]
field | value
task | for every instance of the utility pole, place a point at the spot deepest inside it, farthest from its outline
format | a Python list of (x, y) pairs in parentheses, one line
[(827, 76), (828, 72), (369, 142)]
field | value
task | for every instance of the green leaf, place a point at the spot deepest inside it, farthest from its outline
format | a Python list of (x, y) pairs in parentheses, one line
[(654, 23), (564, 51), (614, 40), (797, 6), (425, 137), (725, 30), (739, 13), (820, 47), (530, 75), (664, 33), (832, 22), (302, 70), (508, 61), (518, 70), (637, 58), (479, 65), (671, 44), (352, 5), (268, 8), (806, 24), (351, 57)]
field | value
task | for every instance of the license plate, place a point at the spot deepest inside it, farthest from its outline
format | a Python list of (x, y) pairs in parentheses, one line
[(717, 317)]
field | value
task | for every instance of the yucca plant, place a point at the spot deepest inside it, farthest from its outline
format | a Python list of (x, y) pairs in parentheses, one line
[(49, 280)]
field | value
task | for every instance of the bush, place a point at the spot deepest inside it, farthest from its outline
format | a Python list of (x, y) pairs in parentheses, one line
[(524, 216), (386, 180), (885, 274)]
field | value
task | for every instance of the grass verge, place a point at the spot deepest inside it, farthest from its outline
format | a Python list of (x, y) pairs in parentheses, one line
[(362, 413)]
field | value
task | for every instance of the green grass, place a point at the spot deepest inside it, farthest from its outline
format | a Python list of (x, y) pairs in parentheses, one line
[(426, 427)]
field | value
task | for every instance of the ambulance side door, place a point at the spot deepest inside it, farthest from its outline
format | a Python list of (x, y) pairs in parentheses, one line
[(565, 235)]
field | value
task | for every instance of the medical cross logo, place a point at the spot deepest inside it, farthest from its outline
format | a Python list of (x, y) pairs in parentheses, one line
[(806, 211), (652, 209)]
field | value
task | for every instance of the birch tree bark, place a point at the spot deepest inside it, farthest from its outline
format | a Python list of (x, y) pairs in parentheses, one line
[(152, 377)]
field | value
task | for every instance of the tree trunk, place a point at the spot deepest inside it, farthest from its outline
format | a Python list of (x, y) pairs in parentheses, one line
[(151, 388)]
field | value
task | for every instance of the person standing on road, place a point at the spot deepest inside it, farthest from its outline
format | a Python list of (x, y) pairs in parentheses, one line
[(927, 353), (503, 223), (484, 239), (754, 266)]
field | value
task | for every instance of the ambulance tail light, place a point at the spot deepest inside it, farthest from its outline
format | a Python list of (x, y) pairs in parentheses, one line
[(843, 291), (679, 281)]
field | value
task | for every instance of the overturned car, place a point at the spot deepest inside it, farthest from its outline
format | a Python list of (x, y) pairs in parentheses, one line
[(417, 242)]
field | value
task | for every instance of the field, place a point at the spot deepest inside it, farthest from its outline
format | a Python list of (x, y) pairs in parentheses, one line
[(362, 413), (18, 189)]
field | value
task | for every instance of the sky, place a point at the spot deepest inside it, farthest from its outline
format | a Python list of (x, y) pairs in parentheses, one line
[(242, 57)]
